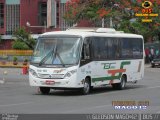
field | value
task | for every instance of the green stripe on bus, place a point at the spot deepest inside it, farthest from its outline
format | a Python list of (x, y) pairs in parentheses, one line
[(112, 77), (125, 63), (105, 78)]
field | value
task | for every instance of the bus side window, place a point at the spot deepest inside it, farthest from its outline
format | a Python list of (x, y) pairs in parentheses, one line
[(86, 49)]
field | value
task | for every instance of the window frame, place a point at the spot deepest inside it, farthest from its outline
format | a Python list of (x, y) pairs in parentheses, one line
[(120, 39)]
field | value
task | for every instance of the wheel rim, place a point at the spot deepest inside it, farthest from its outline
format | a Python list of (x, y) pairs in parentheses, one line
[(123, 82), (86, 87)]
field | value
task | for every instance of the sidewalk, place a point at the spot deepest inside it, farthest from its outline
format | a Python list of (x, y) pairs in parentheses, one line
[(10, 65), (11, 71), (147, 65), (12, 75)]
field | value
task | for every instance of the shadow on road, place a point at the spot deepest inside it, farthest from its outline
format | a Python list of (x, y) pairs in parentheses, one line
[(96, 90)]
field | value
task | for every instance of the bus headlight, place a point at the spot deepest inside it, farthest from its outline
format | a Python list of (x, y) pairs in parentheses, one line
[(70, 73), (33, 72)]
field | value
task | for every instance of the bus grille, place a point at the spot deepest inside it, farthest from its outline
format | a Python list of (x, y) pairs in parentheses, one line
[(51, 76)]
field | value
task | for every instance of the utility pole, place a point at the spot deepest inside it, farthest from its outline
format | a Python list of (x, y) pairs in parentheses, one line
[(111, 22), (102, 22)]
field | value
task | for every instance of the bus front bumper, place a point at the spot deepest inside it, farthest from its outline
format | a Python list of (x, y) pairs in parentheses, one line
[(54, 83)]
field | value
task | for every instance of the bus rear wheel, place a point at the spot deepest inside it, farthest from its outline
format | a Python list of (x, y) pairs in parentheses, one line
[(121, 85), (44, 90)]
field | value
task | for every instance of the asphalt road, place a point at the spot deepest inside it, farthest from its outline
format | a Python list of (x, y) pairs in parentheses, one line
[(16, 96)]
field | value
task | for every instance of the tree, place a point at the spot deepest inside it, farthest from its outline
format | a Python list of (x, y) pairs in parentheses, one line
[(95, 9), (150, 31), (121, 12), (19, 45), (23, 40), (135, 27)]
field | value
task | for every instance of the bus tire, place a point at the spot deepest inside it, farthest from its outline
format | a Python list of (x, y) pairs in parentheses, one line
[(87, 87), (44, 90), (152, 65), (121, 85)]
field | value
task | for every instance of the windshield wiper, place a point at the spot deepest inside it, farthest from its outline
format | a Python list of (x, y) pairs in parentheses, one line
[(48, 54), (54, 50), (57, 54), (60, 59)]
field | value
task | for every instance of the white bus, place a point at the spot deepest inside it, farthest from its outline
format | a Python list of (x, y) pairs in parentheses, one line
[(83, 59)]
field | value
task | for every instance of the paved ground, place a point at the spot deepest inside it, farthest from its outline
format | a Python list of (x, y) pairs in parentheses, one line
[(16, 96)]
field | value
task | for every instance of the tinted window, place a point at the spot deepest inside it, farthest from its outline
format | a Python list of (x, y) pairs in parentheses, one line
[(105, 48), (99, 46), (114, 48), (132, 48), (137, 48), (126, 45)]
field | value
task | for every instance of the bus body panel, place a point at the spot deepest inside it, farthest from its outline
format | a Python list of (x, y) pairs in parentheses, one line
[(101, 73), (68, 82), (108, 72)]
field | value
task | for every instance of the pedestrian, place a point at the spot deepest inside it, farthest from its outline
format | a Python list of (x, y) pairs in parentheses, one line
[(152, 53), (157, 53), (147, 55)]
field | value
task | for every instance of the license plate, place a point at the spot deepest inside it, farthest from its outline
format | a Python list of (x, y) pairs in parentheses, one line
[(49, 82), (156, 64)]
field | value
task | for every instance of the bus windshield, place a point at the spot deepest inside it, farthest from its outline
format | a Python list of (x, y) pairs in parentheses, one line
[(57, 50)]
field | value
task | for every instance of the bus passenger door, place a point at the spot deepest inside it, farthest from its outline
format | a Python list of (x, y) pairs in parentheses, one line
[(85, 62), (85, 55)]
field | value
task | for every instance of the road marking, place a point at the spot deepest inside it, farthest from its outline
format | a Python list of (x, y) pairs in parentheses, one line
[(8, 105), (2, 81), (15, 83), (77, 110)]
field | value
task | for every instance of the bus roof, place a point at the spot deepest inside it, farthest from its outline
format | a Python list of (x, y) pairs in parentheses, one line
[(93, 32)]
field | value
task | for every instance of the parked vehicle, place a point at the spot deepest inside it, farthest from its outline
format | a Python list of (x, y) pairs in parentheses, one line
[(155, 62)]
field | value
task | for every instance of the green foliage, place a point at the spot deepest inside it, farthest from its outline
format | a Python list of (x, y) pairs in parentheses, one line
[(19, 45), (23, 39), (15, 58), (25, 60), (124, 26), (148, 31)]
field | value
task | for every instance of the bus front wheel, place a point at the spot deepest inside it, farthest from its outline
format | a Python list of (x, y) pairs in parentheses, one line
[(44, 90), (121, 85), (86, 87)]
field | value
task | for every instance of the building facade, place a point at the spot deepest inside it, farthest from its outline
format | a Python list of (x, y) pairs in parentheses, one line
[(55, 12), (2, 16), (16, 13), (35, 13), (41, 16)]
